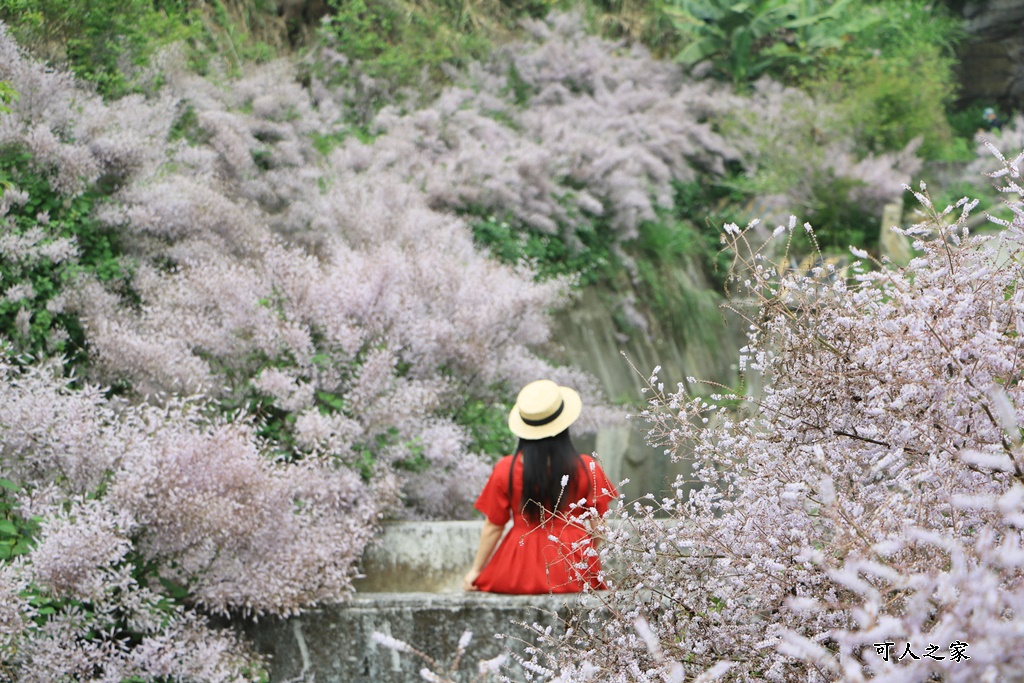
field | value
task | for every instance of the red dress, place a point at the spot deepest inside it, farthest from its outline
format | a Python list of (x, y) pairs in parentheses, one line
[(528, 561)]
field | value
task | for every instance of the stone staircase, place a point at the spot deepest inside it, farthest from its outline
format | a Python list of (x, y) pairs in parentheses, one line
[(410, 591)]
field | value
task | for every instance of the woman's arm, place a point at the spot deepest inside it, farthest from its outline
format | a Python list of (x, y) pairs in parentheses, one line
[(489, 537)]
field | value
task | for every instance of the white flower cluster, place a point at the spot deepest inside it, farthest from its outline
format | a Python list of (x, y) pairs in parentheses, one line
[(243, 533), (566, 127), (866, 505), (262, 273)]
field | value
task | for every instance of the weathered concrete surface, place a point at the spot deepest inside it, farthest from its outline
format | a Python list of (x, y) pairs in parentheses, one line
[(412, 591), (423, 557), (426, 557), (335, 645)]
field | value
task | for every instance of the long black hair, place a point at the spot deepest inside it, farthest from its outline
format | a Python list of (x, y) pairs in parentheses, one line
[(545, 462)]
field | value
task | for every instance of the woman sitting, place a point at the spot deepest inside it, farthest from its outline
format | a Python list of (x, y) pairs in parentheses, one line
[(549, 548)]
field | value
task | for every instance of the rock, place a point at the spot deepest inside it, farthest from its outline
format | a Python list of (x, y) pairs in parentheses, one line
[(891, 244), (993, 19), (992, 60)]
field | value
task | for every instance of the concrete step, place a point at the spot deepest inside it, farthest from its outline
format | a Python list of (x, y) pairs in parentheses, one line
[(335, 644), (411, 590), (426, 557)]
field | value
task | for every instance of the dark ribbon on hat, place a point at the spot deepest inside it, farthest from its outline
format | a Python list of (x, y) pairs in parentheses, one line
[(544, 420)]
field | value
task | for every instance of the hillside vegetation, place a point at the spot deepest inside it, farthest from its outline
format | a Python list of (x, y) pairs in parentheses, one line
[(269, 277)]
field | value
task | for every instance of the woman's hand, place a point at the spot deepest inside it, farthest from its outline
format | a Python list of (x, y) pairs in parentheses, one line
[(469, 578), (489, 536)]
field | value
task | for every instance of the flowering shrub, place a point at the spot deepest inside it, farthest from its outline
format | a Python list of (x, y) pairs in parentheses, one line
[(300, 342), (270, 279), (567, 134), (298, 349), (859, 517), (79, 599), (1007, 139), (50, 241)]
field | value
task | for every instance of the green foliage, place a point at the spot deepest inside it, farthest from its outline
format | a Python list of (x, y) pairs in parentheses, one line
[(17, 538), (275, 424), (238, 34), (674, 258), (400, 41), (636, 21), (8, 95), (520, 90), (326, 142), (679, 255), (186, 127), (888, 64), (99, 39), (365, 455), (16, 532), (838, 222), (743, 41), (511, 242), (895, 80), (670, 282), (487, 423), (365, 32), (104, 41), (891, 101), (970, 119), (703, 208), (99, 256)]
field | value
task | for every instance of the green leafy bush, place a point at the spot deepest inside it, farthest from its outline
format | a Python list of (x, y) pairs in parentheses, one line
[(16, 531), (399, 42), (487, 424), (671, 260), (637, 21), (895, 80), (510, 242), (746, 40), (887, 63), (704, 208), (969, 120), (671, 282), (891, 106), (7, 95), (844, 222), (245, 32)]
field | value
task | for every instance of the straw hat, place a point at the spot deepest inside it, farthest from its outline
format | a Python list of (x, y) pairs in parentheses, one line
[(544, 409)]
